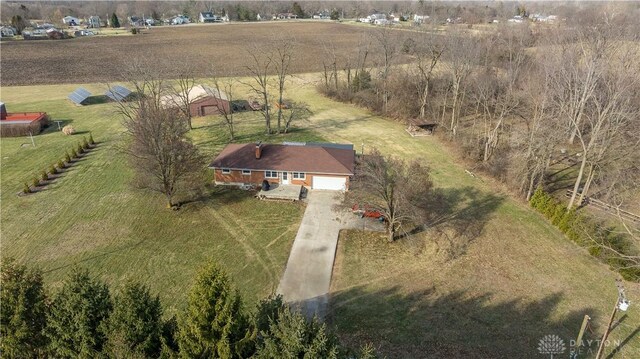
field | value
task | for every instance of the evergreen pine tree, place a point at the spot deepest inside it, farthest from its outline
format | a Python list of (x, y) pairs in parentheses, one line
[(115, 23), (75, 326), (23, 314), (169, 348), (213, 325), (292, 336), (267, 312), (297, 10), (135, 326)]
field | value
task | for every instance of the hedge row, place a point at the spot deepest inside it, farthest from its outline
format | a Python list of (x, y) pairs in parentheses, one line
[(60, 165), (587, 232)]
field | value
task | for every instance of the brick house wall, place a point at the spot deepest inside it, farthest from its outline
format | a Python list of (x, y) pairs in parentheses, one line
[(257, 176)]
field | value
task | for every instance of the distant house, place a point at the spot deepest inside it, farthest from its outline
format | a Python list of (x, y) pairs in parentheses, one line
[(94, 22), (393, 18), (179, 20), (203, 101), (323, 166), (71, 21), (322, 15), (136, 21), (209, 17), (381, 22), (21, 123), (286, 16), (420, 19)]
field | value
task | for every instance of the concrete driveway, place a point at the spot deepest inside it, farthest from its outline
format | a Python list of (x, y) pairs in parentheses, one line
[(306, 279)]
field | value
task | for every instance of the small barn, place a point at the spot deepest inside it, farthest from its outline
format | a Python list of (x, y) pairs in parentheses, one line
[(203, 101), (21, 123)]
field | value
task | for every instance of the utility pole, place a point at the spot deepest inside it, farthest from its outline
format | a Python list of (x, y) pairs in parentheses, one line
[(621, 303), (585, 322)]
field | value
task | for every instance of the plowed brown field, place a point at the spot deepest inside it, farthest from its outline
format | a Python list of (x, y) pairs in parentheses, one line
[(221, 46)]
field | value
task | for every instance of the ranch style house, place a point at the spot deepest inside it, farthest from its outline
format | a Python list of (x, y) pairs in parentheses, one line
[(326, 166)]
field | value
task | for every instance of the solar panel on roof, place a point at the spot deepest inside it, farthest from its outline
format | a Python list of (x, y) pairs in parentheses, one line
[(118, 93), (79, 96), (331, 145)]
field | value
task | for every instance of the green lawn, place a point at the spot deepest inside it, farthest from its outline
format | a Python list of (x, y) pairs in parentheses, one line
[(489, 280), (93, 217)]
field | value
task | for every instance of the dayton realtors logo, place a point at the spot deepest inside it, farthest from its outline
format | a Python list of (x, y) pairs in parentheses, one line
[(551, 345)]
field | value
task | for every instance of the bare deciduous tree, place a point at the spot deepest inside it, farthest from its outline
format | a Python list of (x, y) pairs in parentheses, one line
[(163, 157), (147, 84), (226, 86), (295, 112), (259, 67), (610, 111), (281, 58), (462, 53), (427, 52), (535, 144), (397, 189), (183, 89), (165, 160), (387, 41)]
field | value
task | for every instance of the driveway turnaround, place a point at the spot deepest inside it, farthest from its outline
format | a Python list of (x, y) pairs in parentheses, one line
[(306, 279)]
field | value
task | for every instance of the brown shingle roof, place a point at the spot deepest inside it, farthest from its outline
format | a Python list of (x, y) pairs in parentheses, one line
[(311, 159)]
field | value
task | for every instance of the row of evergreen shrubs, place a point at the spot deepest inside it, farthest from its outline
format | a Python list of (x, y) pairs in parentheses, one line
[(76, 151), (585, 231)]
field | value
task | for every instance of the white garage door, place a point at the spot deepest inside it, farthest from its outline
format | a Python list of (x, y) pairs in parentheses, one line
[(332, 183)]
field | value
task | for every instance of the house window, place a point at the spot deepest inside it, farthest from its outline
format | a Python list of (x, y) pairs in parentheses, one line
[(226, 171), (246, 172), (270, 174), (299, 175)]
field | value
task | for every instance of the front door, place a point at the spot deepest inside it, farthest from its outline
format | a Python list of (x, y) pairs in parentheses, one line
[(285, 177)]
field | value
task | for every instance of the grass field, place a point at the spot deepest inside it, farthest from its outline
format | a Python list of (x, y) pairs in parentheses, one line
[(222, 47), (489, 280), (92, 216)]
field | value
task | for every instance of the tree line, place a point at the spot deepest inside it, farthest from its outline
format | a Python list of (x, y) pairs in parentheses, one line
[(530, 105), (85, 319), (515, 101)]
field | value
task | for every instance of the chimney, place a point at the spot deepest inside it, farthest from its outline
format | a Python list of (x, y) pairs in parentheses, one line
[(258, 150)]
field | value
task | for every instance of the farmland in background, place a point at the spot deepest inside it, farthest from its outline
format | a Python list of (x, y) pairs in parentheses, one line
[(223, 47)]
